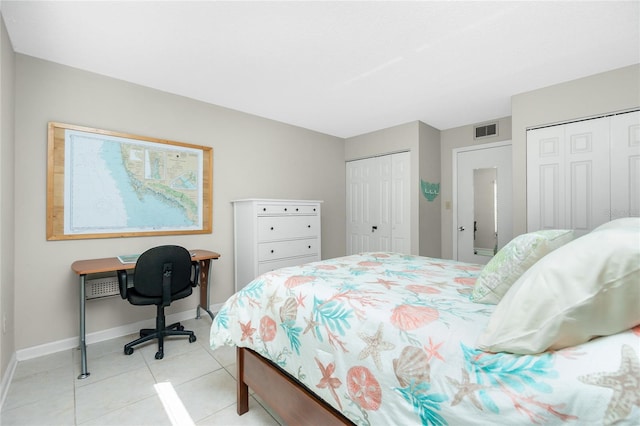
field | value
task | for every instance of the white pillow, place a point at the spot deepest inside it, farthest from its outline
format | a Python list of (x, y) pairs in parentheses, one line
[(513, 260), (623, 222), (589, 287)]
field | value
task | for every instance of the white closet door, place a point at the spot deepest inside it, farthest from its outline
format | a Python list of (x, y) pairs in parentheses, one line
[(545, 178), (400, 214), (568, 176), (362, 201), (378, 216), (587, 175), (625, 160)]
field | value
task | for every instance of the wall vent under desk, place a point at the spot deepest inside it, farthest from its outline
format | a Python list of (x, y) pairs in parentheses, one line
[(98, 288)]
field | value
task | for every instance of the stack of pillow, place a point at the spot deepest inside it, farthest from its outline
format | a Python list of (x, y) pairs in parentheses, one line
[(553, 291)]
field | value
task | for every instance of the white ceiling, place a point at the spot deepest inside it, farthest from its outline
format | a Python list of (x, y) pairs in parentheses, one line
[(341, 68)]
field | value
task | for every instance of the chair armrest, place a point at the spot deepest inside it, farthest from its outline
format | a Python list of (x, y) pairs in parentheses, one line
[(196, 273), (122, 283)]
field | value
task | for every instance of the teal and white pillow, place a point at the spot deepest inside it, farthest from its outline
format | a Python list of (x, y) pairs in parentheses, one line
[(513, 260)]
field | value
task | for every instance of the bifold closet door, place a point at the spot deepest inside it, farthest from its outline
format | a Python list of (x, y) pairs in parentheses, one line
[(625, 160), (378, 216), (568, 176), (583, 174)]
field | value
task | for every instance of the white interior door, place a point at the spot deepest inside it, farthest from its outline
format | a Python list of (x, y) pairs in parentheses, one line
[(378, 215), (472, 171)]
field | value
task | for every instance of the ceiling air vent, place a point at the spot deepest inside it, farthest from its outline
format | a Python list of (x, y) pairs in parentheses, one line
[(486, 130)]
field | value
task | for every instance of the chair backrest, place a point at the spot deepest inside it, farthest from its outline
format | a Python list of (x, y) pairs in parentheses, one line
[(153, 263)]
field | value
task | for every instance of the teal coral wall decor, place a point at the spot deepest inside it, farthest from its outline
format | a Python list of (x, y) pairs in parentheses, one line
[(429, 190)]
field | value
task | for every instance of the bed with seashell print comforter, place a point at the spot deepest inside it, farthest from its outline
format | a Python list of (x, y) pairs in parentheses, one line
[(389, 339)]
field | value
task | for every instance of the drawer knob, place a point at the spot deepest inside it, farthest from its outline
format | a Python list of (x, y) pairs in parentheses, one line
[(272, 228), (309, 246), (285, 209), (272, 251), (308, 226)]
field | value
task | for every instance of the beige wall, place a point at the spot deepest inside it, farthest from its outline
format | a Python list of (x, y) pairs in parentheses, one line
[(422, 141), (7, 219), (253, 157), (459, 137), (611, 91), (430, 211)]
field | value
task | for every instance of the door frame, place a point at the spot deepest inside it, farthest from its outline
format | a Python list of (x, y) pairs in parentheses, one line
[(454, 183)]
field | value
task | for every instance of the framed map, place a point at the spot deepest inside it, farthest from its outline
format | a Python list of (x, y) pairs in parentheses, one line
[(103, 184)]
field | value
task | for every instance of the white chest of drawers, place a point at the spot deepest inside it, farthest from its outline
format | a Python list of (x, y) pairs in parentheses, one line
[(271, 234)]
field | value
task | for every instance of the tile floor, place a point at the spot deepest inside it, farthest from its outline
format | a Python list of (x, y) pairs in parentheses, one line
[(121, 389)]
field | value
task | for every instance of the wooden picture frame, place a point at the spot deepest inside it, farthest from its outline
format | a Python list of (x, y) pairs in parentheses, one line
[(105, 184)]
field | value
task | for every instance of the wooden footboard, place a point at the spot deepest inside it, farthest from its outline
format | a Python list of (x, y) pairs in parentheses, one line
[(288, 398)]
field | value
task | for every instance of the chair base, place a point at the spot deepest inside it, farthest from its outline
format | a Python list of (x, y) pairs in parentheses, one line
[(160, 332)]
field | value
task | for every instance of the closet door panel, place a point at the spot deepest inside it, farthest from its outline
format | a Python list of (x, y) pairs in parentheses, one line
[(545, 178), (400, 214), (384, 201), (625, 157), (551, 190), (361, 204), (588, 183), (633, 206), (581, 200)]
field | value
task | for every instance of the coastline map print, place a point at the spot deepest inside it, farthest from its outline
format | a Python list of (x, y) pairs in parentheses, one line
[(115, 184)]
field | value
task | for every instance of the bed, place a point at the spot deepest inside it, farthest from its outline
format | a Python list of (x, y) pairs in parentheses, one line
[(386, 338)]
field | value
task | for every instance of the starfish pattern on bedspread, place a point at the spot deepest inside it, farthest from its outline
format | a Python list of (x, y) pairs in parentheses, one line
[(625, 384), (311, 326), (375, 344), (328, 381), (466, 388)]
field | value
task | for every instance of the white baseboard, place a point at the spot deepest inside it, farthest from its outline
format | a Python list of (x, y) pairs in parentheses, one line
[(6, 378), (102, 335)]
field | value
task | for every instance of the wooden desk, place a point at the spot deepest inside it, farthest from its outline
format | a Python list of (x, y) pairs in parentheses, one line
[(112, 264)]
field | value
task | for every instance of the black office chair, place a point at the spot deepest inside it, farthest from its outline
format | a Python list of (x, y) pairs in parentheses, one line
[(162, 274)]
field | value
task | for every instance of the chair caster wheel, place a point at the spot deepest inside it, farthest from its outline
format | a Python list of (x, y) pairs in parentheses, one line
[(159, 355), (128, 351), (192, 338)]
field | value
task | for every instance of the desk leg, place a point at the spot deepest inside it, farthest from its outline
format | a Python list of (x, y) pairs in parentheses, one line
[(204, 288), (83, 346)]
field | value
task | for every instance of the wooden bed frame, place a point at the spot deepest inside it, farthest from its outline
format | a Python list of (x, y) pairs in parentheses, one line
[(286, 396)]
